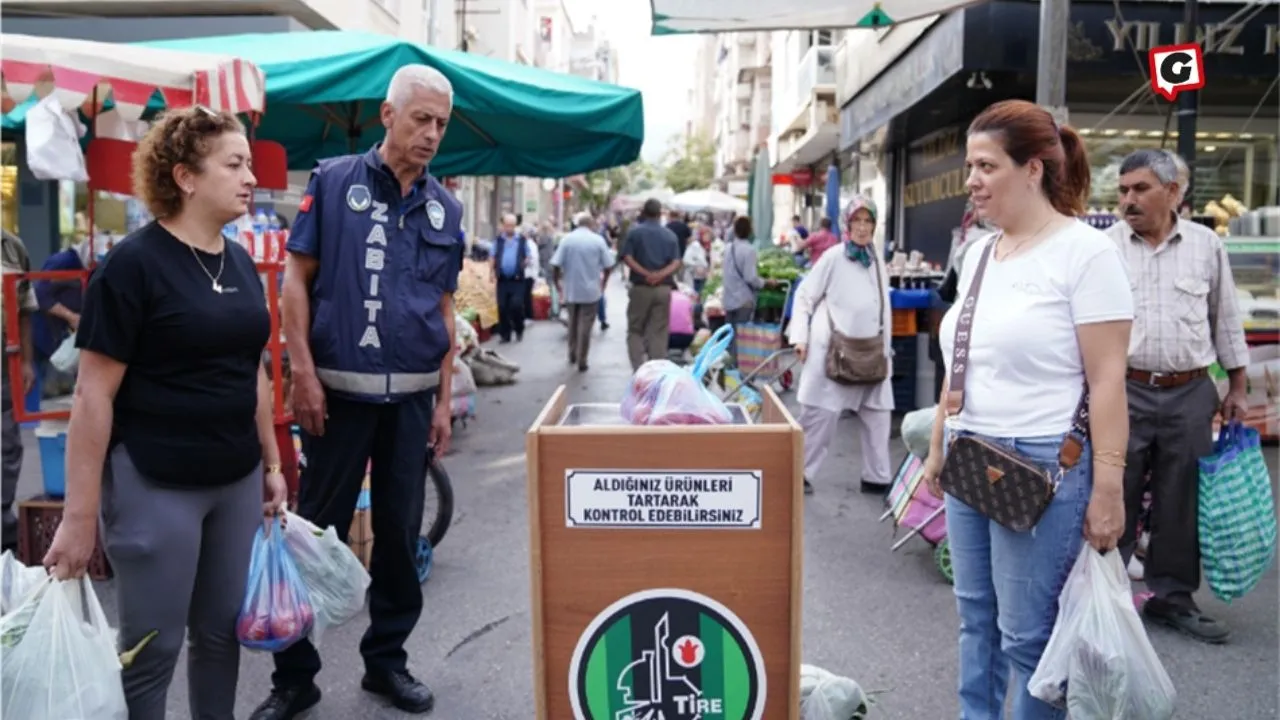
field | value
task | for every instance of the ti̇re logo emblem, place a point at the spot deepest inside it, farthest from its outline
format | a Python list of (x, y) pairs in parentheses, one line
[(667, 654)]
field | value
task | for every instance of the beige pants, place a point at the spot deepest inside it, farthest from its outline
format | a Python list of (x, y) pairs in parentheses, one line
[(648, 321), (819, 427), (582, 318)]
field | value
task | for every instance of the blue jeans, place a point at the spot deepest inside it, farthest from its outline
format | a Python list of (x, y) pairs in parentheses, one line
[(1007, 585), (600, 312)]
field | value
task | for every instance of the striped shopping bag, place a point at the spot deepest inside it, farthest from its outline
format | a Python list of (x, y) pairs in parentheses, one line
[(1237, 516), (756, 342)]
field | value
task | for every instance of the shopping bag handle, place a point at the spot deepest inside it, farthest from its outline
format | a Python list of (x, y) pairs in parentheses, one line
[(716, 346), (1228, 434)]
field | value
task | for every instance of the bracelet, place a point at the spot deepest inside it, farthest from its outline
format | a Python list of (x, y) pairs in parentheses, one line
[(1106, 460), (1109, 453), (273, 469)]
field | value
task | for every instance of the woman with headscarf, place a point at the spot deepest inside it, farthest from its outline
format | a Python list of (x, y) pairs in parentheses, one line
[(846, 292)]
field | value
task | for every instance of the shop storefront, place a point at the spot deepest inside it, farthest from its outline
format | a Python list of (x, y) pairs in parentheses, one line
[(924, 101)]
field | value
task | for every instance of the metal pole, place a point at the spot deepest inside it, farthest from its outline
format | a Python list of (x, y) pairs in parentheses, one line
[(1188, 107), (1051, 68)]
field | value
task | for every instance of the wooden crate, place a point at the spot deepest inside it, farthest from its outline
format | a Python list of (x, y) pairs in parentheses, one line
[(38, 520)]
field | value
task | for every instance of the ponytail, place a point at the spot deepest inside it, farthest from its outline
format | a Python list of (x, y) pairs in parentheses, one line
[(1070, 195)]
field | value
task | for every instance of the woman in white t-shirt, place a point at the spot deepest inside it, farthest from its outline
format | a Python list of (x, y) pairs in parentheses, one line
[(1053, 311)]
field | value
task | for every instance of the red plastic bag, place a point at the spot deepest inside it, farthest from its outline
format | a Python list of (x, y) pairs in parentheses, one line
[(277, 611)]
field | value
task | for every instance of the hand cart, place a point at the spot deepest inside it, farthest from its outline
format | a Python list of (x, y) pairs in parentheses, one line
[(764, 355), (914, 508)]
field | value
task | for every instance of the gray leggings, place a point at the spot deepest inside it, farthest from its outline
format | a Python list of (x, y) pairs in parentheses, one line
[(181, 558)]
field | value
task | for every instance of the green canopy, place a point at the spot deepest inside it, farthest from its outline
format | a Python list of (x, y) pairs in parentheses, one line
[(324, 89)]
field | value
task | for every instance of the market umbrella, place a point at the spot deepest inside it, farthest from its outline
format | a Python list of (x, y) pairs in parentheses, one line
[(672, 17), (324, 89), (760, 204), (833, 197), (710, 200), (129, 81)]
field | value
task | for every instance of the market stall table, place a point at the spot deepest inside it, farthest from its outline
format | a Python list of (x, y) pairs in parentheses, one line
[(665, 565)]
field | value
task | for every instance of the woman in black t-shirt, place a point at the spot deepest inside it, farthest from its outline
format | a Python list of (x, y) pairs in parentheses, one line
[(172, 439)]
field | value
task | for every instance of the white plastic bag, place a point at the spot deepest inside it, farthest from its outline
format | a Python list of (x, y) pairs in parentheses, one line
[(335, 580), (1099, 663), (53, 142), (827, 696), (17, 581), (67, 357), (464, 382), (917, 430), (60, 659)]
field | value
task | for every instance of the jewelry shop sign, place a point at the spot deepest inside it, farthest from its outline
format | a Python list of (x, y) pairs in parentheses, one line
[(663, 499)]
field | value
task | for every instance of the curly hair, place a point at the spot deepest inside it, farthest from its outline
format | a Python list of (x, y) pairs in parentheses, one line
[(179, 137)]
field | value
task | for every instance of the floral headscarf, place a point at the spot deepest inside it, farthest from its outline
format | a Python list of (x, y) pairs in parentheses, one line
[(854, 251)]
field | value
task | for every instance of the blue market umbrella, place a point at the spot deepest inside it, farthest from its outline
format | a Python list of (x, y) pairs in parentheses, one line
[(833, 197)]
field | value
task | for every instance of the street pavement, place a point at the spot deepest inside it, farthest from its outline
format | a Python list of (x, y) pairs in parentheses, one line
[(885, 619)]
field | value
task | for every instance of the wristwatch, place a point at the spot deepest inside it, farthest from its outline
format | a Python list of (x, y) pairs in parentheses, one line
[(273, 469)]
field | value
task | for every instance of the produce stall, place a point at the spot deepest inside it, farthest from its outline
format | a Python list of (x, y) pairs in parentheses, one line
[(477, 296), (664, 577)]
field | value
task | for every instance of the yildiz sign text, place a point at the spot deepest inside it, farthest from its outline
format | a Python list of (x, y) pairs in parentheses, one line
[(663, 499)]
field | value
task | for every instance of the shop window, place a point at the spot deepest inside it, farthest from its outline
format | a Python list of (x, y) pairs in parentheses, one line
[(1242, 165)]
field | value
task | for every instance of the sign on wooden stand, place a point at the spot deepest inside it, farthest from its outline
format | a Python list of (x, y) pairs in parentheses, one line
[(666, 568)]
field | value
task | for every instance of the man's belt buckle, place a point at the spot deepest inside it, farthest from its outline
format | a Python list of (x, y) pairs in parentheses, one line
[(1153, 379)]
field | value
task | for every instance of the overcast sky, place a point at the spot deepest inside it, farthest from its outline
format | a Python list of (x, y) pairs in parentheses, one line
[(659, 67)]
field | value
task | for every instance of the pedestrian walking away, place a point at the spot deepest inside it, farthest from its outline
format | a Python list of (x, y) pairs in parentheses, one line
[(581, 267), (1040, 321), (171, 446), (510, 260), (741, 280), (15, 260), (1186, 318), (847, 293), (372, 341), (652, 254)]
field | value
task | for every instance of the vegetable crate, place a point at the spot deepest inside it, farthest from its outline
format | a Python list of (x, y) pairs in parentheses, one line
[(916, 510), (38, 520)]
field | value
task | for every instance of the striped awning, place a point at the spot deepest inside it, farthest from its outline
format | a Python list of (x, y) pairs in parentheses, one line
[(131, 74)]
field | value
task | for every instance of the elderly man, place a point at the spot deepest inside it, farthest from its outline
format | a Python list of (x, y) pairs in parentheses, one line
[(1186, 317), (652, 254), (510, 260), (373, 263), (581, 266)]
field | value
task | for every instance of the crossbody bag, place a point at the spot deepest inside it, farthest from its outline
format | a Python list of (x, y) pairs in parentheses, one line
[(1002, 484), (857, 361)]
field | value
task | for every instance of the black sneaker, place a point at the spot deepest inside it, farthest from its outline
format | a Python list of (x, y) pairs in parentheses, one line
[(287, 703), (1187, 619), (808, 487), (874, 488), (404, 692)]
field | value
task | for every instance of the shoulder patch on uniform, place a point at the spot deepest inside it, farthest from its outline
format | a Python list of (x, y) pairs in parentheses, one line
[(359, 198), (305, 205), (435, 214)]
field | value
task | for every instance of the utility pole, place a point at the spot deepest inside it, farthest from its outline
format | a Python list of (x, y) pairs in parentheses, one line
[(1051, 68), (1188, 107)]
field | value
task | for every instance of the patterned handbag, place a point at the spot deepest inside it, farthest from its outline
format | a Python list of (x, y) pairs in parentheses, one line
[(996, 481)]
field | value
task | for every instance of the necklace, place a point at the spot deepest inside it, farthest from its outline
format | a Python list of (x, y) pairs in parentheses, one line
[(1018, 245), (213, 279)]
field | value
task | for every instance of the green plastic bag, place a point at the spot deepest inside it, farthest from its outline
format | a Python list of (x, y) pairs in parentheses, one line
[(1237, 515)]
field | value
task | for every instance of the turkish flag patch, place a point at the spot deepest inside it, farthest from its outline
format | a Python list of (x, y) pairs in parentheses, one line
[(305, 205)]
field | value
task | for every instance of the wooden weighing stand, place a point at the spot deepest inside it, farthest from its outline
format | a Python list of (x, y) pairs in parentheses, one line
[(665, 565)]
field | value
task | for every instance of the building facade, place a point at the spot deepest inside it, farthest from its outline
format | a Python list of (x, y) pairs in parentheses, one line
[(733, 72), (908, 93)]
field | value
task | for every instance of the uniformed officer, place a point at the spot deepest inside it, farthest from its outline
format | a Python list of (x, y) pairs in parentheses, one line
[(373, 263)]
